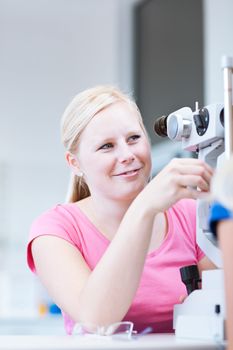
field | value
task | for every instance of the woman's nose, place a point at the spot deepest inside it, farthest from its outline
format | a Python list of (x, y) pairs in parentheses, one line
[(125, 154)]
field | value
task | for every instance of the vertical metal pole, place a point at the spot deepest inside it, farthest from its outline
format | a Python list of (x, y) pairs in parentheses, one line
[(227, 66)]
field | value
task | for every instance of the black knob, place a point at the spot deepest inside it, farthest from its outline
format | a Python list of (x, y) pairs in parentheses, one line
[(201, 120), (190, 277)]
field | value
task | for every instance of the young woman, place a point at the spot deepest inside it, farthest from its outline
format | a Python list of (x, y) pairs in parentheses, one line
[(114, 251)]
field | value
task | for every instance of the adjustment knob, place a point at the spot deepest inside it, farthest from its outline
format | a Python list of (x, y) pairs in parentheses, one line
[(190, 277)]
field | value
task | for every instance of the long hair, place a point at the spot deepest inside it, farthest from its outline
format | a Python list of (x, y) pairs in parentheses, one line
[(76, 117)]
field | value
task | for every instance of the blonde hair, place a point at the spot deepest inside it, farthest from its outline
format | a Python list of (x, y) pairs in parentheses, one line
[(76, 117)]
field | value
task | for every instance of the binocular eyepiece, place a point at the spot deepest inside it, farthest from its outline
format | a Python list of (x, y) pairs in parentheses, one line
[(160, 126), (179, 124)]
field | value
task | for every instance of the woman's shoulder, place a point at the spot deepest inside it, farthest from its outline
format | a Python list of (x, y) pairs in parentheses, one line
[(61, 220), (59, 212), (185, 206), (56, 222)]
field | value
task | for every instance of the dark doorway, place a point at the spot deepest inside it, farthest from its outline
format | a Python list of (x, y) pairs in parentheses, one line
[(168, 57)]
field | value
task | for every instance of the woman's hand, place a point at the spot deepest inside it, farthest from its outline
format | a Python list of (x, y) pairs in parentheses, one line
[(181, 178)]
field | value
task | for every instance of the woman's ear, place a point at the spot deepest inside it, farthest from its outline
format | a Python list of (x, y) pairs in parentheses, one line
[(72, 162)]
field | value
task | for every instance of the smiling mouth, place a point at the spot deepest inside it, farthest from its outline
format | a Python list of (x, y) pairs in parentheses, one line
[(130, 172)]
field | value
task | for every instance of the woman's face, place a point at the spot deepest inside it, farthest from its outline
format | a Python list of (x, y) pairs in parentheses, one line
[(114, 153)]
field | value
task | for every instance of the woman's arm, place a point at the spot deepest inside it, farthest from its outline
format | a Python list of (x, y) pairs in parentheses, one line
[(104, 295), (225, 236)]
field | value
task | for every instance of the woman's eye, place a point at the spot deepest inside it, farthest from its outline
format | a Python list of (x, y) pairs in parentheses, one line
[(106, 146), (134, 137)]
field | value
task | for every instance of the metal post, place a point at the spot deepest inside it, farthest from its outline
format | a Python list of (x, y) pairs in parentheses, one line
[(227, 66)]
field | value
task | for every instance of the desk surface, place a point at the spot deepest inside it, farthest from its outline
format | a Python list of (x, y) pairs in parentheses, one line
[(147, 342)]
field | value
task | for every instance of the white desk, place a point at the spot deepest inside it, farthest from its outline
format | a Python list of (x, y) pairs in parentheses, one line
[(147, 342)]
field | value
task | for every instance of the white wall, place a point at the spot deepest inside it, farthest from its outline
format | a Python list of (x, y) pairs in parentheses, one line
[(50, 50), (218, 41)]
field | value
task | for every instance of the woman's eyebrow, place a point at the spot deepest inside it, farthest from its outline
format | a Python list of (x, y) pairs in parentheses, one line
[(98, 139), (101, 141)]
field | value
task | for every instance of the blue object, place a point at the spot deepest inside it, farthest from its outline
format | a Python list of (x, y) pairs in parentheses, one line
[(54, 309), (218, 213)]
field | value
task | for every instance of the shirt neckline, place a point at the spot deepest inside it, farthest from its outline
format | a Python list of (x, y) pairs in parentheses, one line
[(108, 241), (89, 222)]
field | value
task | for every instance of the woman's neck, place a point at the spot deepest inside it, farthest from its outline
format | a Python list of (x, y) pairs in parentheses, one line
[(105, 214)]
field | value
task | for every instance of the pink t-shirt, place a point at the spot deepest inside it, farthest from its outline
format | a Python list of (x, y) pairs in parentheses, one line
[(160, 285)]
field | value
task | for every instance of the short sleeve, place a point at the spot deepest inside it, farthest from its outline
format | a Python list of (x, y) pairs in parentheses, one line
[(200, 253), (55, 222), (189, 209)]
